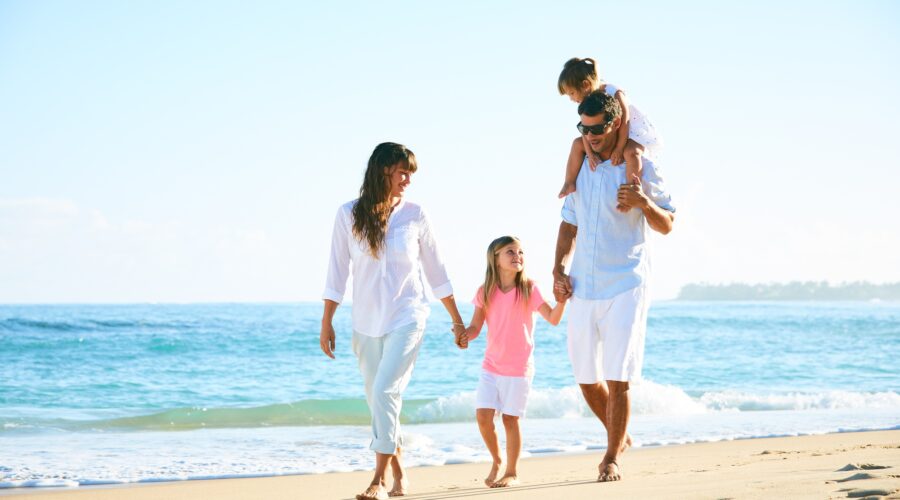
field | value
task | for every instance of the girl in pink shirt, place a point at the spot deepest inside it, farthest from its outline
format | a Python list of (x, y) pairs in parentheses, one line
[(507, 301)]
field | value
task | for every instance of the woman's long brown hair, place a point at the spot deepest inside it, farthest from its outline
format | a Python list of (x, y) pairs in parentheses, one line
[(371, 211)]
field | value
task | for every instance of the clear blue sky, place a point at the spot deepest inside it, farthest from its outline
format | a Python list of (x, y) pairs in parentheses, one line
[(197, 151)]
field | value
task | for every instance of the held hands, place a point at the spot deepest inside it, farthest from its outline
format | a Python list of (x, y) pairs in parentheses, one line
[(562, 286), (631, 195), (460, 335), (326, 339)]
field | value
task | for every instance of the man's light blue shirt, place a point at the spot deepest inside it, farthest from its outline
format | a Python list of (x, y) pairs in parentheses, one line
[(611, 254)]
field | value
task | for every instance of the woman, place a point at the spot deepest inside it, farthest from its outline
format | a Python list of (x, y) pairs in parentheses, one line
[(389, 241)]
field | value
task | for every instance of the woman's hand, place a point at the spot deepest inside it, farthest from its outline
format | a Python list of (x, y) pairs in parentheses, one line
[(326, 339)]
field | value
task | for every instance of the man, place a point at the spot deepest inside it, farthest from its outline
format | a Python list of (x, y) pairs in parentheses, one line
[(609, 272)]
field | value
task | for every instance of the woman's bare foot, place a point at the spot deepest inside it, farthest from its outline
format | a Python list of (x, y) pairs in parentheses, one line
[(492, 477), (506, 481), (609, 471), (567, 189), (401, 484), (373, 492)]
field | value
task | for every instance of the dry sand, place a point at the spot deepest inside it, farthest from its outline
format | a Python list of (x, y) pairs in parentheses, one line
[(847, 465)]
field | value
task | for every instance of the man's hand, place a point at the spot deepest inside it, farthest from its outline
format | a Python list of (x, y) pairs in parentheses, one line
[(460, 336), (326, 339), (632, 196)]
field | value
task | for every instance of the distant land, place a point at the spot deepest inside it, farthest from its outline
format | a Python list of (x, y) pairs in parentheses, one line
[(795, 290)]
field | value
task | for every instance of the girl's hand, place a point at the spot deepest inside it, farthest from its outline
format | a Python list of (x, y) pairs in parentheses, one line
[(326, 339), (618, 156), (593, 158)]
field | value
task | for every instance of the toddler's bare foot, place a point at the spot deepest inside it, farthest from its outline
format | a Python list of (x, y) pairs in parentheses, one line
[(609, 471), (567, 189), (621, 208), (506, 481), (495, 469), (401, 484), (373, 492)]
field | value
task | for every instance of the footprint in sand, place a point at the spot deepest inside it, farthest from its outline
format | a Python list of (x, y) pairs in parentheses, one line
[(861, 467), (856, 477), (873, 490), (859, 493)]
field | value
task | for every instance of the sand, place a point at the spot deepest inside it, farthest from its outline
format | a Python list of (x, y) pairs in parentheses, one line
[(845, 465)]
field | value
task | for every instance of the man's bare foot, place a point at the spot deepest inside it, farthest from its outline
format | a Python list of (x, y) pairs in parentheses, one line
[(495, 470), (401, 484), (373, 492), (627, 444), (506, 481), (609, 471), (567, 189)]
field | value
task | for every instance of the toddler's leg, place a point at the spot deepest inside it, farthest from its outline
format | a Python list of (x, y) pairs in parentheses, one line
[(513, 449), (485, 418), (633, 164), (573, 166)]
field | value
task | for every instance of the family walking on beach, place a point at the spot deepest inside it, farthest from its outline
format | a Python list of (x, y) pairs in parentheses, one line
[(387, 244)]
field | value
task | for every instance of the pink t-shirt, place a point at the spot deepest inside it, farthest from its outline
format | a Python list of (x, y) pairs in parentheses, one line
[(510, 337)]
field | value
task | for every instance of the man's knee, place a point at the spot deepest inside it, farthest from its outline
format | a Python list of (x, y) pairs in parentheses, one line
[(593, 390), (617, 387)]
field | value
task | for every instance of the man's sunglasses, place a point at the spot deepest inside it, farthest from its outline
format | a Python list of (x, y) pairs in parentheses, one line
[(593, 129)]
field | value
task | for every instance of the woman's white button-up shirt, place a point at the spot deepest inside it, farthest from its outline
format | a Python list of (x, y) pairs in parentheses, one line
[(388, 291)]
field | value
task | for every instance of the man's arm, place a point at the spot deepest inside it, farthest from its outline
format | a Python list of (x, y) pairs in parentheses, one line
[(565, 245)]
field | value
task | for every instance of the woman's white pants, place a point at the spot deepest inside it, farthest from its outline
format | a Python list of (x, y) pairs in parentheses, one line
[(386, 364)]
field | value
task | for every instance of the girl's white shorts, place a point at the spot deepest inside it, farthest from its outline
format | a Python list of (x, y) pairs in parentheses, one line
[(507, 395)]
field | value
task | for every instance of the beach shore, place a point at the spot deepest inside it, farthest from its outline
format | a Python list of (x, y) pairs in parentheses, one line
[(844, 465)]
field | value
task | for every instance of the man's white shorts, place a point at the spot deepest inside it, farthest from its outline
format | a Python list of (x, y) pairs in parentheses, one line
[(508, 395), (606, 337)]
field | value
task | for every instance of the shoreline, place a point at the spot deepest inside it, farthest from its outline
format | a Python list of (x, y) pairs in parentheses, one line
[(798, 467)]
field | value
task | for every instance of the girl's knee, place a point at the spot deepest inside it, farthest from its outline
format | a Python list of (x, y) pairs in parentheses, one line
[(510, 419), (485, 417), (578, 144), (633, 149)]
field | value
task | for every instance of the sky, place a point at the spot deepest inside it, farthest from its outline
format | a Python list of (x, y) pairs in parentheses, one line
[(164, 151)]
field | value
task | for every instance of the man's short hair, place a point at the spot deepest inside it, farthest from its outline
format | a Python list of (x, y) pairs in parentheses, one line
[(598, 102)]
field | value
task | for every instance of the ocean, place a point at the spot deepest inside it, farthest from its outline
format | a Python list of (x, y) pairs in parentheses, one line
[(107, 394)]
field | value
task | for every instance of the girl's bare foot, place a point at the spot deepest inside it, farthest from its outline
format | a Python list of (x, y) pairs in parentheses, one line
[(495, 470), (401, 484), (609, 471), (506, 481), (373, 492), (567, 189)]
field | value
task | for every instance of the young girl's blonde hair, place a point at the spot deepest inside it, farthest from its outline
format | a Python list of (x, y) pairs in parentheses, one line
[(492, 275), (576, 71)]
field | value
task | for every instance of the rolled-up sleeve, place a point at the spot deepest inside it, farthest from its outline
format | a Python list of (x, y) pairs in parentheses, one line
[(568, 210), (655, 187), (339, 261), (432, 264)]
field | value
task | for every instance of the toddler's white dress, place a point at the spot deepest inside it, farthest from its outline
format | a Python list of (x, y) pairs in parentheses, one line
[(640, 129)]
